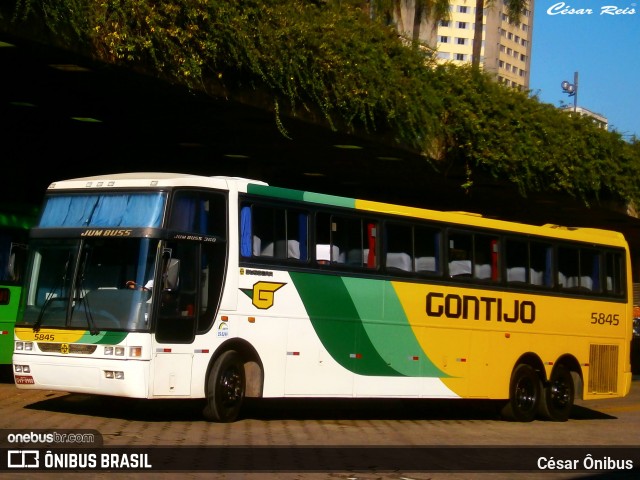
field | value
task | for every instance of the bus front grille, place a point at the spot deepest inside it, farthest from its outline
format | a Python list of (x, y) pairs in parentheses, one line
[(76, 348), (603, 373)]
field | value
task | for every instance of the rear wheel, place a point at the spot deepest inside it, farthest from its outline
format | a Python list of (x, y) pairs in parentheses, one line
[(225, 388), (524, 395), (558, 397)]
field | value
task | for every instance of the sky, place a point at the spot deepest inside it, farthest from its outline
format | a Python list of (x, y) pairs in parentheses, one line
[(603, 48)]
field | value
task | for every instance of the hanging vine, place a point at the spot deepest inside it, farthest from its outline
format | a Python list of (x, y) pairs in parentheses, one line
[(343, 60)]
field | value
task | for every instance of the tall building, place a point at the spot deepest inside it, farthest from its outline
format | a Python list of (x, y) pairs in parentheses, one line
[(506, 47)]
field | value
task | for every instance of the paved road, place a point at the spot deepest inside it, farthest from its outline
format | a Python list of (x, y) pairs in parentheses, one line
[(125, 422)]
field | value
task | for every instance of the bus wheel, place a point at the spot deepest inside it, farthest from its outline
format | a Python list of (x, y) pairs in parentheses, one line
[(557, 401), (524, 395), (225, 388)]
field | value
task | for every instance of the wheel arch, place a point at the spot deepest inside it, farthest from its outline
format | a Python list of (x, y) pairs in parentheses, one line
[(533, 360), (253, 367), (571, 363)]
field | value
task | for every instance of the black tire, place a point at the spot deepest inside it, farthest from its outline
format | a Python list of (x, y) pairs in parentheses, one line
[(558, 396), (225, 388), (525, 391)]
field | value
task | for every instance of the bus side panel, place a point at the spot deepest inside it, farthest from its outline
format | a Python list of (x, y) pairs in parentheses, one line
[(364, 328), (458, 332), (505, 326)]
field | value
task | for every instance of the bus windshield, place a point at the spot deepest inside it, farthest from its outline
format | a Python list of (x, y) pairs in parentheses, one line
[(91, 284), (103, 210)]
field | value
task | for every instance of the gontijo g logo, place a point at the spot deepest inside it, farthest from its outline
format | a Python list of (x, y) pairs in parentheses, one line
[(262, 294)]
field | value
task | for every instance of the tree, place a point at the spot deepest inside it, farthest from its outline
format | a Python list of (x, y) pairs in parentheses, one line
[(435, 10), (515, 9)]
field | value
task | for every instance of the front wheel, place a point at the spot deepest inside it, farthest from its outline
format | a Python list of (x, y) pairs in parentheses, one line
[(524, 395), (559, 393), (225, 388)]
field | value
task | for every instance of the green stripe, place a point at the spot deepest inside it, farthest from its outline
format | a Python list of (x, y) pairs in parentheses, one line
[(299, 195), (103, 338), (382, 345), (388, 328)]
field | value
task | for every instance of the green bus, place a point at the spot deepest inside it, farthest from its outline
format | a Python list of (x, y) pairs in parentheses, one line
[(15, 222)]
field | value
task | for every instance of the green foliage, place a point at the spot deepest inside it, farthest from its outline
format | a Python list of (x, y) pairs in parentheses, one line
[(336, 58), (318, 56), (534, 145)]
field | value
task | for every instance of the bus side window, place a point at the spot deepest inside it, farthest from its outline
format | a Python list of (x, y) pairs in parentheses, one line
[(541, 264), (12, 259), (426, 244), (292, 235), (346, 236), (517, 260), (614, 273), (199, 212), (568, 267), (459, 254), (324, 251), (265, 223), (249, 243), (274, 232), (590, 269), (485, 257), (399, 247)]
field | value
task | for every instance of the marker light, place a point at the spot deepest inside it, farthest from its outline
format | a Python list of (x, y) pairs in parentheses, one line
[(135, 352)]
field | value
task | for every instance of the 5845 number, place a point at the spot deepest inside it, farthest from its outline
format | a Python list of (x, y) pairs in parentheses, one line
[(612, 319), (44, 336)]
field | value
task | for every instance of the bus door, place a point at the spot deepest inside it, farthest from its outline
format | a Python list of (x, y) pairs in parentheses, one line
[(176, 299)]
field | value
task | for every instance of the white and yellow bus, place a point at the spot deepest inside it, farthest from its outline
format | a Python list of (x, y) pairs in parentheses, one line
[(161, 285)]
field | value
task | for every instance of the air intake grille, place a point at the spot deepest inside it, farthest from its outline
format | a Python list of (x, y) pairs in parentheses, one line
[(603, 374), (72, 348)]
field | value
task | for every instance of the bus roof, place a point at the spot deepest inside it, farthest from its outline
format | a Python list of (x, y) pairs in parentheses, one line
[(467, 219), (153, 180), (257, 187)]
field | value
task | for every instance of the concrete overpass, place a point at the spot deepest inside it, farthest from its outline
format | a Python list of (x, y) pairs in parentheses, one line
[(64, 116)]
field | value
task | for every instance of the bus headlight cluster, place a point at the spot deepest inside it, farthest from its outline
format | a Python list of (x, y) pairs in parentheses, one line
[(21, 346), (134, 352), (114, 374), (22, 368), (117, 351)]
